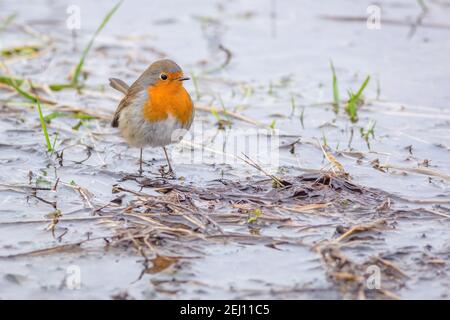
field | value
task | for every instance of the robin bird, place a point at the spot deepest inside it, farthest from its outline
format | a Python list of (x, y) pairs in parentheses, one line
[(156, 109)]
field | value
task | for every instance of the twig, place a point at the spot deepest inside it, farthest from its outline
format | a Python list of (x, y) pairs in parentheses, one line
[(258, 167), (360, 228), (80, 219), (392, 266), (424, 171), (231, 114)]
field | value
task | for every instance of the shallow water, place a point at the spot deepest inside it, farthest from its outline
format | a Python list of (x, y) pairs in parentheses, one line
[(273, 60)]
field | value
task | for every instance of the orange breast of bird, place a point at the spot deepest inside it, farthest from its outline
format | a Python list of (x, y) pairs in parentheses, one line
[(168, 99)]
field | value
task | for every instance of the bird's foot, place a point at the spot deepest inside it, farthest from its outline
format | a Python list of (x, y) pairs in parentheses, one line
[(169, 174)]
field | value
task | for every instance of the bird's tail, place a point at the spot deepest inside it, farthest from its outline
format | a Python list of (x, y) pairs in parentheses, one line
[(119, 85)]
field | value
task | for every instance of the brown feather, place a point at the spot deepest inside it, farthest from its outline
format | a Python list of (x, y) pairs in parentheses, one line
[(119, 85)]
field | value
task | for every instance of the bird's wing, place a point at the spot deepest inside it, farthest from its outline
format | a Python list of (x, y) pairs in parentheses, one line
[(131, 92), (130, 95)]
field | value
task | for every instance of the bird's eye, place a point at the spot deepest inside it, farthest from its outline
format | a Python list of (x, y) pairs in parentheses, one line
[(163, 76)]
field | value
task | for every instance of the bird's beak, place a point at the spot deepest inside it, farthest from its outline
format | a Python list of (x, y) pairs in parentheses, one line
[(182, 78)]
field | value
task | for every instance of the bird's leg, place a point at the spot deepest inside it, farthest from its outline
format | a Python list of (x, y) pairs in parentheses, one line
[(140, 164), (168, 161)]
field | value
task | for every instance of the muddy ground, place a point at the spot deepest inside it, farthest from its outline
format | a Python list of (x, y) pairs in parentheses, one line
[(322, 208)]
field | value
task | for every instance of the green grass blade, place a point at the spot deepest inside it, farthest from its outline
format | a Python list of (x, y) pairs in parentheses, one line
[(8, 80), (335, 87), (18, 82), (216, 114), (351, 108), (363, 86), (60, 86), (44, 126), (354, 100), (272, 124), (76, 115), (86, 50), (54, 141), (16, 85)]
